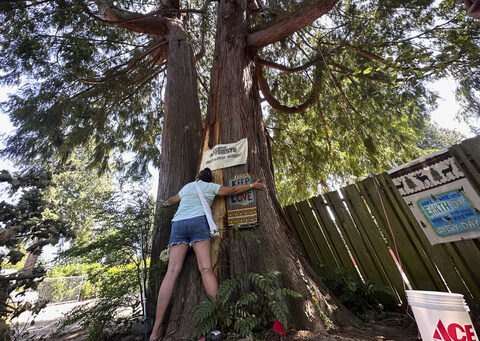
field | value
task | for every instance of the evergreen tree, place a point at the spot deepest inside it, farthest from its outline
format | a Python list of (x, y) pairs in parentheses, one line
[(27, 220), (436, 138), (363, 66), (410, 183), (435, 175)]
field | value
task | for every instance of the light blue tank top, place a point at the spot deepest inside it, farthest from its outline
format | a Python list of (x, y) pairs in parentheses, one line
[(190, 204)]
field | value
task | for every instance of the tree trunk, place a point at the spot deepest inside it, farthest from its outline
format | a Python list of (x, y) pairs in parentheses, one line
[(32, 256), (181, 144), (4, 296), (234, 113)]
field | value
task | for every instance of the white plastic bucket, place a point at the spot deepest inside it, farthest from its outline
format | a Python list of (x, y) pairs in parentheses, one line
[(441, 316)]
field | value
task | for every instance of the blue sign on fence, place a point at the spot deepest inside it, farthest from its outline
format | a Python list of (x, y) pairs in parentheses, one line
[(450, 213)]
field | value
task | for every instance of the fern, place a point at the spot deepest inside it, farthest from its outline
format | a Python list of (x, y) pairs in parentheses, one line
[(359, 296), (226, 289), (247, 315)]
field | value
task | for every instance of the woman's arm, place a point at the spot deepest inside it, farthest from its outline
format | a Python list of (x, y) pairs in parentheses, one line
[(172, 200), (225, 190)]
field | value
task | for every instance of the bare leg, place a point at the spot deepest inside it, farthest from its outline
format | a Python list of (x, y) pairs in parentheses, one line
[(204, 261), (175, 263)]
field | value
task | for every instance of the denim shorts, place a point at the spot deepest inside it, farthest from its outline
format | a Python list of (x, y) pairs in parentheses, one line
[(189, 231)]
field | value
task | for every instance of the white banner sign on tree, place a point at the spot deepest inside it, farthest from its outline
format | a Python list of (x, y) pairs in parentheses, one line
[(226, 155)]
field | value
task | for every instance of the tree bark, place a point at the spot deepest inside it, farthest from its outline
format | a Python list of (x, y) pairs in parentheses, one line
[(234, 112), (181, 144)]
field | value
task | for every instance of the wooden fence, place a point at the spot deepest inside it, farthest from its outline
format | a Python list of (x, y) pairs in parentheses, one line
[(348, 227)]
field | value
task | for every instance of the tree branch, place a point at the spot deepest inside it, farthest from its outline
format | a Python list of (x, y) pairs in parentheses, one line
[(141, 23), (20, 277), (345, 70), (284, 68), (293, 165), (378, 58), (5, 235), (324, 123), (473, 8), (275, 103), (131, 64), (288, 23)]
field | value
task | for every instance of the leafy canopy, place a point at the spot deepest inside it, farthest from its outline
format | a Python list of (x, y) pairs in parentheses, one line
[(86, 82)]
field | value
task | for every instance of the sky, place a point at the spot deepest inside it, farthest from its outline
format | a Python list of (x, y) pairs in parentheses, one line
[(448, 107)]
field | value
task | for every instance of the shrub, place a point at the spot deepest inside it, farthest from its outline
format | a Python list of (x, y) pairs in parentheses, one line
[(357, 295), (243, 315), (117, 290)]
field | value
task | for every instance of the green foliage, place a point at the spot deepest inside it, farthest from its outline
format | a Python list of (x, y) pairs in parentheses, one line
[(85, 94), (245, 314), (17, 266), (89, 287), (116, 288), (436, 138), (113, 268), (372, 61), (81, 196), (61, 289), (27, 226), (124, 220), (97, 281), (101, 318), (358, 296), (95, 85)]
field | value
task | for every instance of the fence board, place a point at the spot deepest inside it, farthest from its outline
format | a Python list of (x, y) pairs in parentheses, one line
[(339, 249), (471, 172), (310, 248), (318, 238), (373, 240), (473, 296), (415, 264), (354, 241), (472, 147), (291, 215), (466, 253)]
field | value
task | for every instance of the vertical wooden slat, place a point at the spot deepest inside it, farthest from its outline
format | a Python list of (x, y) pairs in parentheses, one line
[(334, 238), (318, 238), (473, 297), (466, 253), (472, 149), (310, 248), (373, 240), (361, 254), (421, 273), (470, 171), (289, 211)]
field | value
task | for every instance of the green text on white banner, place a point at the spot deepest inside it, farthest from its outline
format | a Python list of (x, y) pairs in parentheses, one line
[(226, 155)]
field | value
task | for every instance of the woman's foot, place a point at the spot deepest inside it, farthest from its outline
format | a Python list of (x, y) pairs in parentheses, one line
[(156, 336)]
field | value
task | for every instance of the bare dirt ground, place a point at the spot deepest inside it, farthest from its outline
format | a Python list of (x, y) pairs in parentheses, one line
[(397, 327), (46, 323)]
